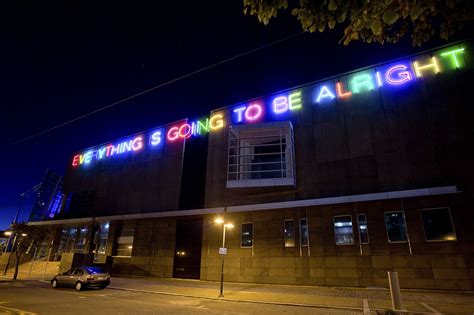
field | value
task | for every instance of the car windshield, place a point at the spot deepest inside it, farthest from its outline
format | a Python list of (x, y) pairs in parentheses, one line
[(94, 270)]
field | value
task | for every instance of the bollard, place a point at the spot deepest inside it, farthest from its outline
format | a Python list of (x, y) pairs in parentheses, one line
[(394, 290)]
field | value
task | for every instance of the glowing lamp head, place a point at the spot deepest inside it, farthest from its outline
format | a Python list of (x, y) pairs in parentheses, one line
[(229, 225), (7, 233), (24, 234), (219, 220)]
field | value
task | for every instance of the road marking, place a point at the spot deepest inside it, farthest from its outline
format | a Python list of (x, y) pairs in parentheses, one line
[(432, 309), (366, 306), (16, 310)]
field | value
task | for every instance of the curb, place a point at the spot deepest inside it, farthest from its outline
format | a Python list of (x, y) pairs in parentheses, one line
[(334, 307)]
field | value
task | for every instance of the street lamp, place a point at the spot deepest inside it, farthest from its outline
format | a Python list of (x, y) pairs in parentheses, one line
[(223, 250)]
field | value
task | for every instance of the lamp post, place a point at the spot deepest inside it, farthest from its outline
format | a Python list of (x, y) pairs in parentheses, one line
[(223, 250)]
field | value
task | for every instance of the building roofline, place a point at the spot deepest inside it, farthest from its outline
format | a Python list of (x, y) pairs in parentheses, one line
[(398, 194)]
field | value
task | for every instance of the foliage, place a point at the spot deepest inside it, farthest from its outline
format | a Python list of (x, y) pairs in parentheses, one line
[(26, 238), (382, 21)]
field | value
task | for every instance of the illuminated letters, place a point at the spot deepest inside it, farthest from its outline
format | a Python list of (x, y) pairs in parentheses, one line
[(137, 143), (200, 126), (363, 80), (75, 160), (324, 92), (379, 79), (173, 133), (295, 100), (101, 152), (280, 104), (216, 122), (453, 53), (186, 133), (340, 93), (239, 112), (156, 138), (433, 64), (383, 77), (398, 75), (253, 112)]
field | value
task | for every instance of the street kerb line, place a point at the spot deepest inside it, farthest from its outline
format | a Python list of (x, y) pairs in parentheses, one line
[(366, 306), (242, 300), (16, 310), (432, 309)]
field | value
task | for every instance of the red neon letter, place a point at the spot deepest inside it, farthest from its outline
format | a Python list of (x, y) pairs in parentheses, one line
[(75, 160), (173, 133), (340, 93)]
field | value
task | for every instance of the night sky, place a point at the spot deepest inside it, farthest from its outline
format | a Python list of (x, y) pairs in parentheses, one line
[(61, 60)]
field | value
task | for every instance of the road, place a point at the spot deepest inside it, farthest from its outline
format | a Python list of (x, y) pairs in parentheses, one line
[(36, 297)]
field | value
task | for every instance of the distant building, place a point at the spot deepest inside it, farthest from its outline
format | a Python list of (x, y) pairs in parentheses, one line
[(329, 183), (49, 196)]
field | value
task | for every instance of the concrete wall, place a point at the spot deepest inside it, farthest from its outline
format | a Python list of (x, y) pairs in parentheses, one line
[(440, 265), (153, 249)]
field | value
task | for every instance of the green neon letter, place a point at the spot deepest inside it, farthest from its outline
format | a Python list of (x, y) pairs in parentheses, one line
[(201, 126), (363, 80), (295, 100), (453, 53)]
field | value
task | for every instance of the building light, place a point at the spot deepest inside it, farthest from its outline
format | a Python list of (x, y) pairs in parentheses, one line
[(324, 92), (216, 122), (253, 112), (452, 54), (362, 81), (280, 104), (398, 75), (340, 92), (433, 65)]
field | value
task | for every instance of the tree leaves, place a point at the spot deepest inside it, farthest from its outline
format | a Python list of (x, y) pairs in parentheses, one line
[(371, 21)]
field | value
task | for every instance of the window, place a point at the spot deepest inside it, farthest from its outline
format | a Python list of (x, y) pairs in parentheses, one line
[(438, 224), (343, 230), (81, 241), (261, 155), (70, 240), (247, 235), (363, 230), (304, 237), (396, 227), (78, 272), (125, 241), (101, 241), (289, 231)]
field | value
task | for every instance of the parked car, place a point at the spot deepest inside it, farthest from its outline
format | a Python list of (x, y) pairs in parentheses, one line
[(82, 277)]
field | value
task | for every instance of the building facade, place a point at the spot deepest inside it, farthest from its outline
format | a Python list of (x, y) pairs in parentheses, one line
[(334, 182)]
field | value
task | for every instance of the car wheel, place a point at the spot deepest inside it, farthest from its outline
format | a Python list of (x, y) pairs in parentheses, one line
[(79, 286), (54, 283)]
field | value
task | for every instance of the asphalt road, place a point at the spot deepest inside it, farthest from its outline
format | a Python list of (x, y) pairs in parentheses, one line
[(28, 297)]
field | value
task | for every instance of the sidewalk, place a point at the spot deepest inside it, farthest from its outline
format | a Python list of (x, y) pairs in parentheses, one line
[(357, 299)]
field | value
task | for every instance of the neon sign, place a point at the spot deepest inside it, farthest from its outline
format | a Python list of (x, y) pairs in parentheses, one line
[(284, 105)]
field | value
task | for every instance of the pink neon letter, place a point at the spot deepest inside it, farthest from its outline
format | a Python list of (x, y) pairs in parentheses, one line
[(75, 160), (402, 74), (257, 109)]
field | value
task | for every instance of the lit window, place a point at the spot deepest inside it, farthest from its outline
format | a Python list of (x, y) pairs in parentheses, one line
[(101, 241), (304, 237), (247, 235), (396, 227), (363, 229), (261, 155), (81, 241), (289, 232), (438, 225), (343, 232), (125, 241)]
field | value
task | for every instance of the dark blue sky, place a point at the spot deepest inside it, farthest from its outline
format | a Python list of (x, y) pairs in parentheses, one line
[(61, 60)]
